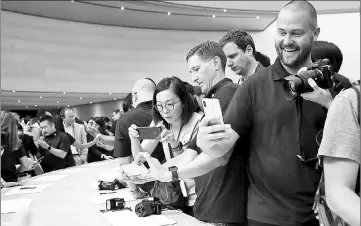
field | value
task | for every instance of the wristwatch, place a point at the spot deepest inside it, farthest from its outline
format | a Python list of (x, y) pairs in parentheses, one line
[(174, 171), (49, 148), (178, 148), (97, 136), (102, 156)]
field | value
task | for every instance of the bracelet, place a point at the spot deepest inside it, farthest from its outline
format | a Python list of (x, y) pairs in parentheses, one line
[(97, 136)]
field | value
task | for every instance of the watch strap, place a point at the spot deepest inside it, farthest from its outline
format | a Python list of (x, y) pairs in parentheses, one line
[(174, 171)]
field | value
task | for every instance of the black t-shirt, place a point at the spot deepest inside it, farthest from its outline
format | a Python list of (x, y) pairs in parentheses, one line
[(58, 140), (282, 188), (114, 126), (29, 144), (222, 193), (69, 159), (140, 116), (8, 161), (95, 152)]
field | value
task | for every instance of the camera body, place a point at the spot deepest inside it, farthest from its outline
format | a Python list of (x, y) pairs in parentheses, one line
[(320, 71), (115, 204), (148, 207), (110, 185)]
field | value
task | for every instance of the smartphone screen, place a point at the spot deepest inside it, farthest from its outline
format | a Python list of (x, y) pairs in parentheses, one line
[(149, 133)]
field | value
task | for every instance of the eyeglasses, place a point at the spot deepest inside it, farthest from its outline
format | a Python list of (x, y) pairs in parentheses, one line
[(167, 106)]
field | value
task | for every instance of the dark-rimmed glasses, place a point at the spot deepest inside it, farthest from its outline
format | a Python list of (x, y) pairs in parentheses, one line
[(167, 106)]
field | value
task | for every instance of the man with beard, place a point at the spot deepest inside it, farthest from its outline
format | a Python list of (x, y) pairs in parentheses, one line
[(283, 149)]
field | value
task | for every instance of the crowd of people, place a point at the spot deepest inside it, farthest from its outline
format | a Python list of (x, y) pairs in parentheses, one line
[(261, 167)]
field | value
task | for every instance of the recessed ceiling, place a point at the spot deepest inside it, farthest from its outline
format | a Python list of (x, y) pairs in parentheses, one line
[(28, 100)]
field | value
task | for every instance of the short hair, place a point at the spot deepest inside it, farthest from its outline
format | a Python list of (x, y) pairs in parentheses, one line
[(116, 111), (47, 118), (308, 7), (241, 38), (263, 59), (101, 122), (127, 102), (62, 112), (189, 88), (207, 51), (324, 49), (41, 112), (176, 86)]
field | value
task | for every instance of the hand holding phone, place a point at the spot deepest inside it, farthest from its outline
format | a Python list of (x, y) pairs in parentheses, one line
[(149, 133), (213, 111)]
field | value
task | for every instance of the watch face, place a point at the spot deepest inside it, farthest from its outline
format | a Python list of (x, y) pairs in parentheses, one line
[(173, 168)]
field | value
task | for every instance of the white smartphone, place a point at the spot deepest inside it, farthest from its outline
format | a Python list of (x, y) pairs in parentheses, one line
[(212, 109)]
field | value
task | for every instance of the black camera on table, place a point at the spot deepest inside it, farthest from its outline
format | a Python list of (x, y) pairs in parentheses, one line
[(115, 204), (110, 185), (148, 207), (320, 71)]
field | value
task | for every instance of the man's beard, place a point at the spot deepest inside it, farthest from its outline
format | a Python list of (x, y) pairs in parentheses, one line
[(297, 62)]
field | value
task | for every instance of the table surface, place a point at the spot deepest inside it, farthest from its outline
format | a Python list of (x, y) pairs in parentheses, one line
[(67, 202)]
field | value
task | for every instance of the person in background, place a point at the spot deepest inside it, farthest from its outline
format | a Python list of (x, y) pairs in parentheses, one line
[(77, 131), (240, 50), (127, 103), (262, 58), (340, 154), (99, 151), (13, 150), (116, 113)]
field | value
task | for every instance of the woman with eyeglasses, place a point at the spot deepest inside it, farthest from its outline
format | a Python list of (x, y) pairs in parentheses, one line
[(99, 151), (174, 112)]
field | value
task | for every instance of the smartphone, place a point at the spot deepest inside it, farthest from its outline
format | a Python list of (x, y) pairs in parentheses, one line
[(212, 109), (149, 133)]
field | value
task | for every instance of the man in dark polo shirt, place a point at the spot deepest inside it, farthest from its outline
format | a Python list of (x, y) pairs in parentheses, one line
[(283, 148), (240, 51), (54, 148)]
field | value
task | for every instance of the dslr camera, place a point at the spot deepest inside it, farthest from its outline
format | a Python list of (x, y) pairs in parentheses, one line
[(148, 207), (112, 185), (321, 72)]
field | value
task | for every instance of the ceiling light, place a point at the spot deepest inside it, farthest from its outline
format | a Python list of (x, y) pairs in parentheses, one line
[(72, 0), (26, 106), (257, 17), (68, 106), (64, 92), (122, 8), (58, 107), (57, 102), (225, 10), (18, 101), (214, 16), (41, 97), (13, 91), (169, 13), (90, 102), (35, 105), (81, 98), (115, 98), (110, 93)]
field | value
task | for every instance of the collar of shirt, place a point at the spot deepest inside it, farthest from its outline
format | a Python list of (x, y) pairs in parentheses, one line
[(51, 135), (145, 104), (278, 71), (218, 86)]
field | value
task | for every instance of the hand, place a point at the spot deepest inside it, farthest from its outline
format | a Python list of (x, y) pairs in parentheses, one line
[(133, 132), (156, 170), (318, 95), (29, 134), (208, 135), (168, 136), (42, 144), (108, 157), (91, 130)]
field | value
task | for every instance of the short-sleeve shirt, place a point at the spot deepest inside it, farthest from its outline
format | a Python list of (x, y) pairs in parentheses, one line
[(140, 116), (282, 188), (341, 135), (58, 140), (222, 193), (8, 161)]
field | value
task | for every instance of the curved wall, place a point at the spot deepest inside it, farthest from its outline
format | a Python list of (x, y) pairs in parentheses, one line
[(39, 54)]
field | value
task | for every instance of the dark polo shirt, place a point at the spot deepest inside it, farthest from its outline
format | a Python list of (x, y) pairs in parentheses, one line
[(282, 188), (258, 69), (140, 116), (222, 193), (58, 140)]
